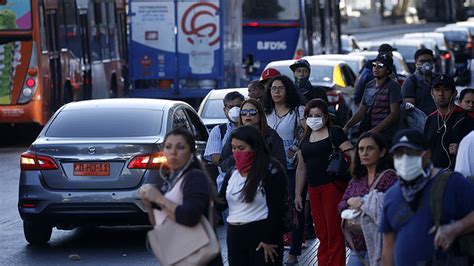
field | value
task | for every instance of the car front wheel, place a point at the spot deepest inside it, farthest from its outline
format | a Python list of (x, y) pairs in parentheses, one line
[(37, 233)]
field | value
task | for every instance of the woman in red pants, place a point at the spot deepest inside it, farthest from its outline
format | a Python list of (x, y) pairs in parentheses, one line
[(325, 192)]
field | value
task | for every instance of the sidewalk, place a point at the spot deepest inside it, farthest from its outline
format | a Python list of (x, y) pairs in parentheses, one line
[(308, 255)]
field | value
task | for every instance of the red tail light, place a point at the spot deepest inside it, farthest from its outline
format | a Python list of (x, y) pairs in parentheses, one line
[(447, 56), (469, 45), (147, 161), (30, 82), (30, 161), (299, 53)]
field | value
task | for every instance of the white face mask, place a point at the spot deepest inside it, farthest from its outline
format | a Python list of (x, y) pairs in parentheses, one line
[(234, 114), (408, 167), (315, 123)]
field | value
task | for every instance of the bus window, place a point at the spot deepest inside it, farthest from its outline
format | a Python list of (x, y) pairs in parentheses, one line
[(113, 38), (122, 36), (94, 32), (270, 9), (103, 30), (72, 29), (44, 47)]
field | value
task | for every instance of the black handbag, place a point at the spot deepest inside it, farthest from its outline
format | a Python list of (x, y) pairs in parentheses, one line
[(338, 167)]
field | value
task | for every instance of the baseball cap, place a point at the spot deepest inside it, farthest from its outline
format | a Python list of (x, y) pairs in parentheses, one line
[(269, 73), (423, 51), (409, 138), (385, 48), (385, 59), (444, 80), (300, 63)]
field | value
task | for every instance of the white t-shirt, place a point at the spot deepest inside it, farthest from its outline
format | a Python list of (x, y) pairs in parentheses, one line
[(465, 156), (285, 126), (242, 212)]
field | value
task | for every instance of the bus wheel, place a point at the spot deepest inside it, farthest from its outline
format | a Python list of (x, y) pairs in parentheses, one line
[(37, 233), (68, 94), (113, 87)]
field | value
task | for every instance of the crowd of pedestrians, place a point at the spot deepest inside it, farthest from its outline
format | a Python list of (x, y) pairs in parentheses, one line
[(394, 198)]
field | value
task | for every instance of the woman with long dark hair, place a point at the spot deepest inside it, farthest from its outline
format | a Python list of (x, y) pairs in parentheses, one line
[(370, 167), (251, 114), (325, 191), (185, 171), (255, 193), (284, 110)]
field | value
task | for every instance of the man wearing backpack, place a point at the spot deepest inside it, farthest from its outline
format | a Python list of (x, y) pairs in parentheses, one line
[(417, 88), (220, 133), (410, 236)]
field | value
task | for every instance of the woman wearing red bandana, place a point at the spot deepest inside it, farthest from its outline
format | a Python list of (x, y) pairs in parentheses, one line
[(255, 193)]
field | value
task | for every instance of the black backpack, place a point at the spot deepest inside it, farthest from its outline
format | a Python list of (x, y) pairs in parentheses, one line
[(463, 246)]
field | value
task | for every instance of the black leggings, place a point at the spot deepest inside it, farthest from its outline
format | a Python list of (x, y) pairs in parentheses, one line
[(242, 240)]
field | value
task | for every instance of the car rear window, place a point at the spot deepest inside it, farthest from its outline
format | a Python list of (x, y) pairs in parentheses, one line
[(213, 109), (407, 51), (456, 35), (106, 123), (321, 74)]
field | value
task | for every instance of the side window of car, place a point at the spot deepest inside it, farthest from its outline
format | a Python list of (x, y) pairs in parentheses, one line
[(197, 127), (180, 120), (347, 75)]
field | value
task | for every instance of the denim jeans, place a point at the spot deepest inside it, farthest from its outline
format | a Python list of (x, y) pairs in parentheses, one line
[(354, 259)]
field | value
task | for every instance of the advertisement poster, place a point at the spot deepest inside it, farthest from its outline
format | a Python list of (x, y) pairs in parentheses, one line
[(153, 39), (15, 14), (199, 37)]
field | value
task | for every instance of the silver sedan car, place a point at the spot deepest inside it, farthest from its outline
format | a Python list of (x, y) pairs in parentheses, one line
[(91, 158)]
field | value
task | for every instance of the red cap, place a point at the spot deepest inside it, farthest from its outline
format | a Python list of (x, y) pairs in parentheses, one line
[(269, 73)]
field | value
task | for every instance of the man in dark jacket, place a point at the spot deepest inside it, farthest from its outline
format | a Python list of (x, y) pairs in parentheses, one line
[(301, 70), (447, 125), (417, 88)]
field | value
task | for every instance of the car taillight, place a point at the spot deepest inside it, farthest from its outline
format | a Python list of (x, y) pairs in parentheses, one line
[(147, 161), (30, 161), (447, 56), (469, 45)]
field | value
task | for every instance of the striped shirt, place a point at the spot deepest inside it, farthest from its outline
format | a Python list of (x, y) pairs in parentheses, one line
[(380, 98)]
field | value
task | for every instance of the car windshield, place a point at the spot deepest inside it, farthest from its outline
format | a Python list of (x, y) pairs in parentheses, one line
[(270, 10), (213, 109), (105, 123)]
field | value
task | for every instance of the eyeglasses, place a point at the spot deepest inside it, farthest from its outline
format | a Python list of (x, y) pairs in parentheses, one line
[(251, 112), (277, 88), (379, 65)]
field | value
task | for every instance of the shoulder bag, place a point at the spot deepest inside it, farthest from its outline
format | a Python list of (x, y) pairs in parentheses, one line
[(176, 244), (338, 166)]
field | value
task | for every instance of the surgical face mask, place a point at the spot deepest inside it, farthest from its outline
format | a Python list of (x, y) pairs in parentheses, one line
[(408, 167), (234, 114), (315, 123), (426, 68)]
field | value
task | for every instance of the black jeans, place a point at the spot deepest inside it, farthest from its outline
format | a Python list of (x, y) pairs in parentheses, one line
[(242, 240), (297, 230)]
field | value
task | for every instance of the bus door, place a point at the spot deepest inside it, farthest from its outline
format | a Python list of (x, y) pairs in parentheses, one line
[(52, 30)]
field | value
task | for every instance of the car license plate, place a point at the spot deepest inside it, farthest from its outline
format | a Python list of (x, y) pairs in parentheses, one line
[(91, 169)]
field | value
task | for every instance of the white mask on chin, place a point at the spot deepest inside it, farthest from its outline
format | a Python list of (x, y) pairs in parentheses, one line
[(409, 167), (315, 123)]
